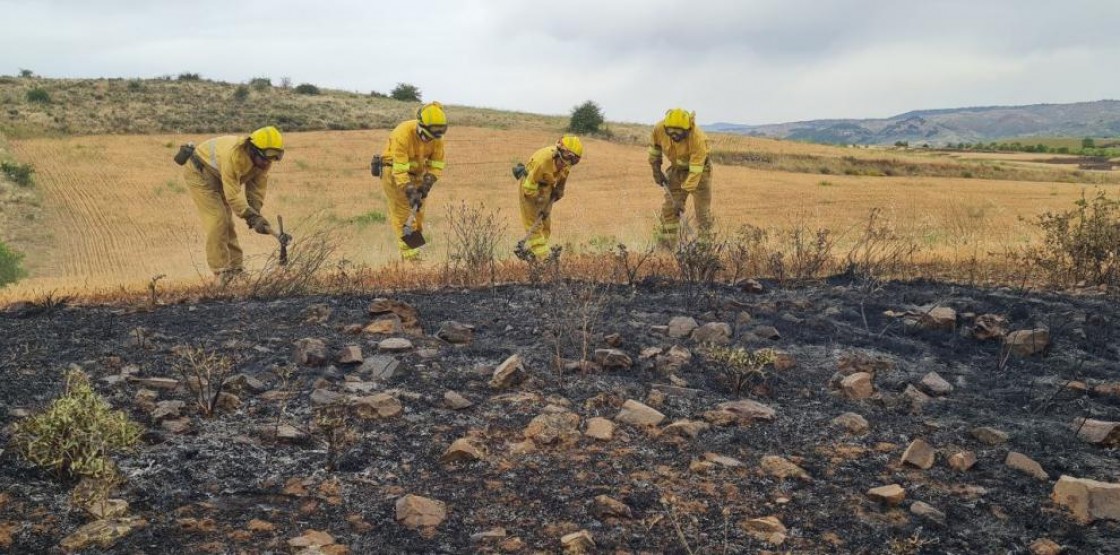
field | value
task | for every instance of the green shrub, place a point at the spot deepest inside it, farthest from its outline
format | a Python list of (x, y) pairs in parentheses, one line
[(190, 77), (11, 265), (307, 88), (1081, 244), (378, 94), (26, 73), (260, 84), (586, 118), (406, 93), (241, 93), (20, 174), (39, 96), (77, 433), (740, 367), (135, 85), (371, 217)]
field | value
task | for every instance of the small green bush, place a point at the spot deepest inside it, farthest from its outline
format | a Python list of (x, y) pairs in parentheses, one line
[(406, 93), (26, 73), (371, 217), (1081, 244), (241, 93), (11, 265), (378, 94), (20, 174), (260, 84), (38, 95), (189, 77), (587, 118), (77, 433), (307, 88), (135, 85)]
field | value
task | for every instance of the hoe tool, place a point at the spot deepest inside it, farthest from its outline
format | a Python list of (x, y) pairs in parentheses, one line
[(410, 236), (284, 239), (523, 252)]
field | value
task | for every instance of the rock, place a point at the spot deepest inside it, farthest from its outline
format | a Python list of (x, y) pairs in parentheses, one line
[(358, 386), (989, 326), (916, 397), (605, 506), (681, 327), (317, 313), (933, 318), (463, 450), (722, 460), (677, 391), (715, 333), (312, 538), (286, 432), (455, 401), (673, 360), (782, 468), (415, 512), (962, 461), (1024, 343), (919, 454), (743, 318), (144, 400), (927, 511), (508, 374), (741, 412), (109, 508), (783, 361), (101, 533), (323, 397), (600, 428), (245, 382), (1107, 389), (613, 340), (890, 495), (493, 533), (167, 409), (768, 529), (649, 352), (177, 425), (852, 422), (990, 436), (310, 351), (1098, 432), (857, 386), (751, 286), (257, 525), (394, 345), (379, 367), (380, 405), (1026, 465), (766, 332), (155, 383), (350, 354), (455, 333), (638, 414), (613, 358), (655, 398), (577, 542), (936, 385), (1045, 546), (1088, 500), (549, 428), (384, 326), (409, 316), (690, 429)]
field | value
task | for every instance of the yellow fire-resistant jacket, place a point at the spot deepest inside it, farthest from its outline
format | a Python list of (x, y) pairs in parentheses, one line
[(542, 172), (409, 157), (691, 153), (226, 158)]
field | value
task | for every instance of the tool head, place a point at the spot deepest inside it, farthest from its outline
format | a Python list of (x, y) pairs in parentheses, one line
[(414, 239)]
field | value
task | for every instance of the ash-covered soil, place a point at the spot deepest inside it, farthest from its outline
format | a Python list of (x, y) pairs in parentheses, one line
[(227, 484)]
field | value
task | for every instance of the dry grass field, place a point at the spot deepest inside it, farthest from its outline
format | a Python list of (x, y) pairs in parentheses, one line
[(116, 210)]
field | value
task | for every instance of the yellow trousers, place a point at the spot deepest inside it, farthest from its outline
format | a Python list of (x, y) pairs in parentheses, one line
[(223, 252), (397, 203), (531, 207), (676, 196)]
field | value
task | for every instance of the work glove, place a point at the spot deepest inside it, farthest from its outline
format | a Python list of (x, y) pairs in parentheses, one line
[(690, 189), (557, 194), (259, 224), (415, 196), (659, 177), (426, 185)]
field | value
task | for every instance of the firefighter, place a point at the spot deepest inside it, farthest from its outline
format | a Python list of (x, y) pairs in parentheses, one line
[(412, 162), (689, 172), (228, 176), (541, 185)]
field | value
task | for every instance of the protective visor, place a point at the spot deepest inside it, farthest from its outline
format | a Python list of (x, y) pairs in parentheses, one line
[(273, 154), (569, 156), (433, 131)]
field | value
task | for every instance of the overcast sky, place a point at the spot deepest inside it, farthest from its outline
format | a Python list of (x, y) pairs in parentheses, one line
[(743, 61)]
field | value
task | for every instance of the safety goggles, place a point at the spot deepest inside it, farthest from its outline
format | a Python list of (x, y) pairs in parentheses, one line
[(676, 132), (569, 157), (433, 131), (271, 154)]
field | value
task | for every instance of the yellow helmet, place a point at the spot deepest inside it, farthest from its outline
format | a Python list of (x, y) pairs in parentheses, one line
[(570, 148), (679, 118), (267, 142), (432, 120)]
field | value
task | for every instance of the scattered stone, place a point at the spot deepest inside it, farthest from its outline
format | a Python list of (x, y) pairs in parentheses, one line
[(177, 425), (613, 358), (245, 382), (990, 436), (681, 327), (919, 454), (1045, 546), (109, 508), (605, 506), (890, 495), (554, 427), (278, 395), (257, 525), (1098, 432), (463, 450), (752, 286), (638, 414), (310, 351), (577, 542), (962, 461), (317, 313), (722, 460), (743, 318), (358, 386), (155, 383), (508, 374), (989, 326), (766, 332), (690, 429), (379, 367), (1024, 343), (323, 397), (857, 386), (936, 385), (917, 398), (782, 468), (673, 360), (350, 354), (741, 412), (144, 400), (409, 316), (455, 401), (167, 409), (101, 533), (380, 405), (852, 422), (287, 432), (649, 352), (927, 511), (934, 318), (783, 361), (312, 538), (613, 340), (600, 428), (455, 333), (1026, 465), (384, 326), (1107, 389), (416, 512), (394, 345), (493, 533), (768, 529), (677, 391), (1088, 500), (715, 333)]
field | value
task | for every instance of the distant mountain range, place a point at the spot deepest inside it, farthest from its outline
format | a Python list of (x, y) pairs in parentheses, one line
[(955, 125)]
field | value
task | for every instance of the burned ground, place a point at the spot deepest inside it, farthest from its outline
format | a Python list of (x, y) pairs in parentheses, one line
[(200, 489)]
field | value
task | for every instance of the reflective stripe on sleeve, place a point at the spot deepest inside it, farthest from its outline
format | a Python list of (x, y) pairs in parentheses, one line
[(437, 164)]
